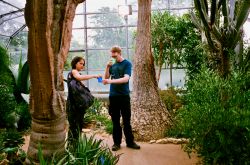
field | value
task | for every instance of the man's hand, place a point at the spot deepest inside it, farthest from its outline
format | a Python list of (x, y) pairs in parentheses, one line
[(110, 62), (106, 81)]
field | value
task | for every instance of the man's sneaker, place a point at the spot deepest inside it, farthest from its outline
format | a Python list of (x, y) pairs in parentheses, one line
[(133, 146), (116, 147)]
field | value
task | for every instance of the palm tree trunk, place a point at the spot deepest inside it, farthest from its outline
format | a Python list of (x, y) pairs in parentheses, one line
[(50, 30), (225, 64), (150, 117)]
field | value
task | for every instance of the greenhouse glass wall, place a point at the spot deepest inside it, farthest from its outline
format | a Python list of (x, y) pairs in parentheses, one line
[(97, 26)]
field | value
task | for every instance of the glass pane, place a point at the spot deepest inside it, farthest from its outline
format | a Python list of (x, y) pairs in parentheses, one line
[(105, 38), (79, 9), (105, 20), (78, 21), (247, 31), (178, 78), (4, 40), (131, 36), (97, 59), (18, 47), (77, 40), (131, 54), (96, 5), (17, 3), (9, 27), (5, 8), (132, 19)]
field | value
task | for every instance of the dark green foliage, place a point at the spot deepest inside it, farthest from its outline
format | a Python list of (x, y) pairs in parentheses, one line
[(12, 105), (11, 142), (177, 41), (7, 107), (24, 122), (218, 128), (7, 99)]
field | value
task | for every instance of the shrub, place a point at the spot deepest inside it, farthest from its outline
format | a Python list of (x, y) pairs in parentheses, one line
[(11, 143), (171, 98), (216, 118), (7, 99), (99, 113), (24, 122)]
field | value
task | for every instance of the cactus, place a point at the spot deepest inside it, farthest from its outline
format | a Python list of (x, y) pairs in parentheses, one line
[(221, 21)]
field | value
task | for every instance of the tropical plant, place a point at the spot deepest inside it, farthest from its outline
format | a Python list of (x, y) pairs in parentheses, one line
[(7, 99), (218, 131), (21, 85), (20, 78), (222, 22), (11, 144), (99, 113), (163, 25), (87, 150), (24, 122), (176, 40)]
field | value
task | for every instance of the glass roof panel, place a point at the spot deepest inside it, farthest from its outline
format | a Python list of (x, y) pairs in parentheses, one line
[(11, 16)]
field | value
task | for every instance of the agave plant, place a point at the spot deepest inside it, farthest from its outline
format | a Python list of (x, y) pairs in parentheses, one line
[(221, 21), (87, 150), (21, 78)]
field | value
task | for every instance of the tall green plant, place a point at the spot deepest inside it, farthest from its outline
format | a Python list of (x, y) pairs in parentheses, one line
[(21, 79), (222, 25), (176, 40), (219, 131), (14, 110), (162, 27), (7, 99)]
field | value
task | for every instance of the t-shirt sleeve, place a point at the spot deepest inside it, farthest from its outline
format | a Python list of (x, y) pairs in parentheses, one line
[(128, 68)]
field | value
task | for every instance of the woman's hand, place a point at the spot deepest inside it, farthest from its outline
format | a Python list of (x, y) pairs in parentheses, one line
[(97, 75)]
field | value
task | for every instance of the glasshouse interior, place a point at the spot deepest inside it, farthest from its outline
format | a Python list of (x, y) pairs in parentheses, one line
[(127, 82)]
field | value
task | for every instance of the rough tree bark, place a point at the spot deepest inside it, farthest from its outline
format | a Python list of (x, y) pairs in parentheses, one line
[(150, 117), (50, 30)]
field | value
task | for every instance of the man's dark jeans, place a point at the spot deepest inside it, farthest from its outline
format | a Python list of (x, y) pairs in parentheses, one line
[(120, 106)]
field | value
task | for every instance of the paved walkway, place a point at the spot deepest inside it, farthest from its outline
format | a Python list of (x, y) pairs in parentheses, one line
[(149, 154)]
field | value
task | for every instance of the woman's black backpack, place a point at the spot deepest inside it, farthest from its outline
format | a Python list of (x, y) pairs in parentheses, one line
[(78, 93)]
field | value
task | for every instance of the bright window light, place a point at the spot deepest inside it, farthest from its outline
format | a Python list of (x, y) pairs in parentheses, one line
[(125, 10)]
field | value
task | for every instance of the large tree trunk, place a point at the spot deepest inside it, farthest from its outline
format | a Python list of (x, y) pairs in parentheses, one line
[(50, 29), (150, 117)]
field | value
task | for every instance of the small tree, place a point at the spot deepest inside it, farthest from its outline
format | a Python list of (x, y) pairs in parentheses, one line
[(176, 40), (162, 28)]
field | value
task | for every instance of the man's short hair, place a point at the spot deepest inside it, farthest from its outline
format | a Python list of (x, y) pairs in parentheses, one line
[(115, 49)]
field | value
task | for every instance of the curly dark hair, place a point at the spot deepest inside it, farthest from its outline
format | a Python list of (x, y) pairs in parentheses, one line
[(75, 61)]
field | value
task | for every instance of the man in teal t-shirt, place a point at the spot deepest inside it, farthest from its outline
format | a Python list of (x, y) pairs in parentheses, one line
[(119, 99)]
